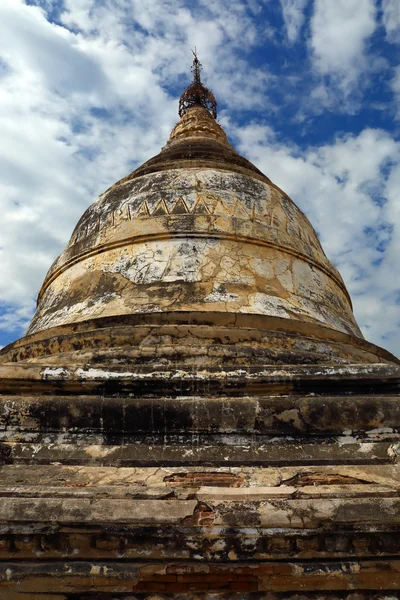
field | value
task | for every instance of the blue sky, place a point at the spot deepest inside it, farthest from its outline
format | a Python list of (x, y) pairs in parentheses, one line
[(308, 90)]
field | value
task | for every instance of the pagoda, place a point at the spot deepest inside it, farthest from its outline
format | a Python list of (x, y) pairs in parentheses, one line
[(194, 412)]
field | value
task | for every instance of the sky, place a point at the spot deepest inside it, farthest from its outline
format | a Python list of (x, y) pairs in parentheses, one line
[(308, 90)]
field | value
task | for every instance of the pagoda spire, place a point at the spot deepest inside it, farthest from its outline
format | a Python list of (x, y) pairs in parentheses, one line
[(196, 68), (196, 94)]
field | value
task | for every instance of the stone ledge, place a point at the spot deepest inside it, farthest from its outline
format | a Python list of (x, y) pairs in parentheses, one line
[(154, 452), (231, 595), (209, 508), (175, 477), (363, 417), (127, 331), (203, 493), (54, 541), (31, 378), (75, 577)]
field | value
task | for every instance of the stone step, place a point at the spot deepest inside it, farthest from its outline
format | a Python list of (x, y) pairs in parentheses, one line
[(376, 417)]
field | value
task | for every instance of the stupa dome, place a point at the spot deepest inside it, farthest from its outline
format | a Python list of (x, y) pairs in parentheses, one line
[(197, 238)]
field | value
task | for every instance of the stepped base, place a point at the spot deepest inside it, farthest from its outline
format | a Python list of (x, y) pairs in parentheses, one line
[(270, 484)]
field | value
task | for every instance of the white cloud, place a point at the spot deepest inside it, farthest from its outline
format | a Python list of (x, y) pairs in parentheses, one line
[(391, 20), (293, 15), (339, 35), (55, 155), (395, 86), (46, 50)]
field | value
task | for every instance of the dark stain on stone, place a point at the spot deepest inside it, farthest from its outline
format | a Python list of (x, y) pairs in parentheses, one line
[(5, 454), (198, 479), (318, 478)]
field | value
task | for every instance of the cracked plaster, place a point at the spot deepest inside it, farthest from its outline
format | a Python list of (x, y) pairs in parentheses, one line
[(194, 239)]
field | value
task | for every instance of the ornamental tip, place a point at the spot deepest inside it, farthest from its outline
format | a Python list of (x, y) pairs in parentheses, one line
[(196, 68), (196, 94)]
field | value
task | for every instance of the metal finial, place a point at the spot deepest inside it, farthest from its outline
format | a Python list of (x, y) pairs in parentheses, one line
[(196, 68), (197, 94)]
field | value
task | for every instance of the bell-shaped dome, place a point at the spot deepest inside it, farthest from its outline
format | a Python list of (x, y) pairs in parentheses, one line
[(196, 228), (196, 238)]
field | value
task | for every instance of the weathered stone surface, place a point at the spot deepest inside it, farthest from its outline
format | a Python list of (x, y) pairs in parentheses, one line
[(74, 577), (312, 510), (200, 339), (231, 595), (238, 248), (356, 418), (154, 452), (199, 229), (194, 414), (221, 595)]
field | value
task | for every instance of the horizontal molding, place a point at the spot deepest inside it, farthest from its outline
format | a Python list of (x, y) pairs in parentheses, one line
[(186, 452), (363, 418)]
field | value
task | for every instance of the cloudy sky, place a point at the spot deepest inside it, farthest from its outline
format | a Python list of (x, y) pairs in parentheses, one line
[(309, 90)]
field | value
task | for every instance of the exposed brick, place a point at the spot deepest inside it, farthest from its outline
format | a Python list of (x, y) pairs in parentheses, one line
[(178, 569), (152, 586), (244, 586), (163, 578)]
